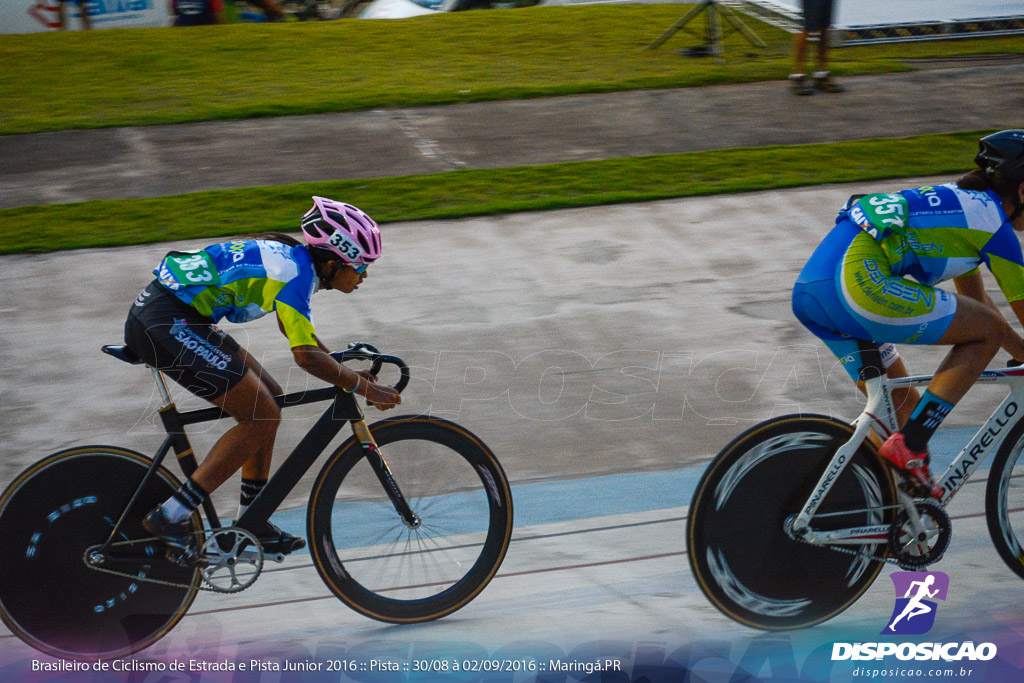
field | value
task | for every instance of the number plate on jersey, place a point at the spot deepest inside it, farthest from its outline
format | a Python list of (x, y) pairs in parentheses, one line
[(881, 214), (192, 268)]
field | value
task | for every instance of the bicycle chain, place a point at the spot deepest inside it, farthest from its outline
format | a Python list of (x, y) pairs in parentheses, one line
[(887, 558), (135, 577)]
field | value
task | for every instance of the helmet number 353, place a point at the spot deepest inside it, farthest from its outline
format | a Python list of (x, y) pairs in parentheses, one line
[(342, 243)]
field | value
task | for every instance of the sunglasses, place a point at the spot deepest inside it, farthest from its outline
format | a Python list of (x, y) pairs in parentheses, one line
[(360, 269)]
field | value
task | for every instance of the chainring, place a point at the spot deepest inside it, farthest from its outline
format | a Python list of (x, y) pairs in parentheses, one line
[(915, 547), (231, 560)]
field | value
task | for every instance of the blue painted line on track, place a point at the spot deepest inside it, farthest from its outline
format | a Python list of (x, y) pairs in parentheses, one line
[(617, 494)]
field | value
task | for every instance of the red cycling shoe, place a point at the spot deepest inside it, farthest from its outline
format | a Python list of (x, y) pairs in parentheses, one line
[(913, 463)]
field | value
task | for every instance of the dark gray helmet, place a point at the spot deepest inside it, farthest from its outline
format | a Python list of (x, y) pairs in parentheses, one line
[(1003, 153)]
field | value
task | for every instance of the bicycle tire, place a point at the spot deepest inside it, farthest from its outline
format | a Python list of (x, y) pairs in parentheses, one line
[(739, 552), (372, 561), (49, 515), (1002, 493)]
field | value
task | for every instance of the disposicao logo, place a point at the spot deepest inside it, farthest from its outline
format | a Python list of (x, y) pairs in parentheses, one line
[(915, 608), (914, 614)]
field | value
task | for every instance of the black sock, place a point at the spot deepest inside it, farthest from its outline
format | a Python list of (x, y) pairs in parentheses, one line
[(248, 492), (925, 419)]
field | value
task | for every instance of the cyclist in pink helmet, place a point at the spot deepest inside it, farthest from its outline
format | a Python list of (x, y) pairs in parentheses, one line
[(171, 327)]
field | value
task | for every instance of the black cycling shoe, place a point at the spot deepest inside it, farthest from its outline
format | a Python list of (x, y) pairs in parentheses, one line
[(275, 540), (178, 537)]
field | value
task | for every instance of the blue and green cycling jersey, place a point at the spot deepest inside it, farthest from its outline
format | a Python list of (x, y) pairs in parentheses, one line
[(244, 280), (933, 234), (872, 278)]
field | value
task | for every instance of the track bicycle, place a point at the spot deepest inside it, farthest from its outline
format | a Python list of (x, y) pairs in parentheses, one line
[(795, 518), (409, 538)]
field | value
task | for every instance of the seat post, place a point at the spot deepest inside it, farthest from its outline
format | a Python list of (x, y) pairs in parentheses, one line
[(161, 385)]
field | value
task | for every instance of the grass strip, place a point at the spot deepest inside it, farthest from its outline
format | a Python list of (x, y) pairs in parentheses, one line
[(120, 77), (207, 215)]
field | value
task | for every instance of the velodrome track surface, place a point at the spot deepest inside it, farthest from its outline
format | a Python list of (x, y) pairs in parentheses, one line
[(605, 354)]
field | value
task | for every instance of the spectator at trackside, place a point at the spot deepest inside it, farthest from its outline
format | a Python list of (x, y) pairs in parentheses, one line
[(202, 12), (817, 21), (83, 12), (197, 12), (269, 8)]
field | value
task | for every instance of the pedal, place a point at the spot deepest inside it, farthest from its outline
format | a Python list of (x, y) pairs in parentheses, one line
[(907, 484)]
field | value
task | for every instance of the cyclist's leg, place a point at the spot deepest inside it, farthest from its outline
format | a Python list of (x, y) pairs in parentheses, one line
[(188, 348), (904, 399), (250, 443), (975, 344), (946, 319), (896, 309), (257, 466), (254, 365), (251, 440)]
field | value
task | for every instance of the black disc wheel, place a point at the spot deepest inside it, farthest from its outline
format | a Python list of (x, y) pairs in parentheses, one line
[(399, 568), (739, 550), (49, 516)]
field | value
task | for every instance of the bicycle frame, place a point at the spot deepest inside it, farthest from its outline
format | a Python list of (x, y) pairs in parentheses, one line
[(343, 410), (879, 416)]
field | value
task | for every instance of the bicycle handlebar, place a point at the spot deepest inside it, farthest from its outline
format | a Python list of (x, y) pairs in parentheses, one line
[(363, 351)]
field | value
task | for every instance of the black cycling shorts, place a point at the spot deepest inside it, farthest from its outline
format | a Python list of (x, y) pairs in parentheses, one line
[(817, 15), (174, 338)]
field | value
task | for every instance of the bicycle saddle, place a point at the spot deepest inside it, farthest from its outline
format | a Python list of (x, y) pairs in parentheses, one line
[(122, 353)]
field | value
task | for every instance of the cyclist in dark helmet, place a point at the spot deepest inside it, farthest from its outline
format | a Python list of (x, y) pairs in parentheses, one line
[(171, 326), (872, 280)]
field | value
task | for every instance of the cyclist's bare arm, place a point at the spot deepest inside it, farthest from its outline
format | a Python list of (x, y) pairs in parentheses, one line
[(318, 363), (365, 374), (972, 286)]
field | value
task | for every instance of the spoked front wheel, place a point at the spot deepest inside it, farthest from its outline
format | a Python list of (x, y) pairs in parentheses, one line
[(396, 569), (740, 553), (49, 517)]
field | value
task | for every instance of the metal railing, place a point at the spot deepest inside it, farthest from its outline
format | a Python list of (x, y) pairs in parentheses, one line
[(928, 30), (789, 19)]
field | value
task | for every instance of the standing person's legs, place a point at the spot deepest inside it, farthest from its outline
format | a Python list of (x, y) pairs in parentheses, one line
[(84, 12), (799, 79), (823, 80)]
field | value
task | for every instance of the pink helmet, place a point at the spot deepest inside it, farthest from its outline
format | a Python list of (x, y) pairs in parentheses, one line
[(342, 229)]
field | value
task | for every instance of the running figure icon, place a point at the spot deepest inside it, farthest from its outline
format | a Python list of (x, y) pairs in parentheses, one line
[(916, 593), (915, 607)]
